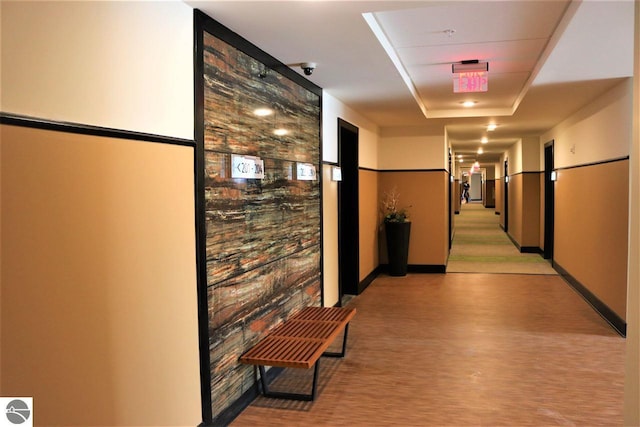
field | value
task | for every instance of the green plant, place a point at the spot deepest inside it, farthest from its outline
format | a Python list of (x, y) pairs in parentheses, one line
[(390, 210)]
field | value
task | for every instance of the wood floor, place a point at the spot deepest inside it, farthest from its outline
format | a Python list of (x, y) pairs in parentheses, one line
[(462, 349)]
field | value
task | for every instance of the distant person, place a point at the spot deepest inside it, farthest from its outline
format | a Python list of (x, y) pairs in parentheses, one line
[(465, 191)]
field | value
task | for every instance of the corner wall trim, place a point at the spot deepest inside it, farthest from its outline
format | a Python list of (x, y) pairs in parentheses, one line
[(427, 269), (419, 268), (367, 280), (531, 250), (616, 322), (82, 129)]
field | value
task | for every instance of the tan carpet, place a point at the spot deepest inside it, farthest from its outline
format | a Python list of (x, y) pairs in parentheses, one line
[(480, 246)]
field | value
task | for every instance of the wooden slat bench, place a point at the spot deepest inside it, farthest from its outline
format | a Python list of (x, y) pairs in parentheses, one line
[(299, 342)]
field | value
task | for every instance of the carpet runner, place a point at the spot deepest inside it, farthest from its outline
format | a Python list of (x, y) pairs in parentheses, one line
[(481, 246)]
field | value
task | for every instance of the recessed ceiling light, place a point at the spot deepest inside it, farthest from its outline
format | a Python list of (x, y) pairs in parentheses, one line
[(461, 161), (480, 150), (280, 132), (468, 104), (459, 156), (484, 140), (491, 127)]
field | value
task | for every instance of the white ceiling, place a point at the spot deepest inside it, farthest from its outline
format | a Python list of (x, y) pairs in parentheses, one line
[(546, 58)]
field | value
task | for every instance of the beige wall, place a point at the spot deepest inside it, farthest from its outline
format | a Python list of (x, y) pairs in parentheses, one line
[(499, 187), (632, 371), (426, 194), (369, 221), (541, 212), (98, 281), (591, 209), (516, 213), (530, 210), (332, 109), (524, 193), (599, 131), (591, 229), (530, 154), (330, 237), (425, 152), (123, 65), (101, 248)]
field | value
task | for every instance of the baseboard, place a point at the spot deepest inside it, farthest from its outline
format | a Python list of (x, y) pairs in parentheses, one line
[(367, 280), (616, 322), (419, 268), (531, 250), (525, 249), (426, 269), (227, 416), (490, 206)]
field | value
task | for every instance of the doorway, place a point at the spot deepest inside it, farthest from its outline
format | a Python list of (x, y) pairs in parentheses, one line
[(506, 195), (348, 212), (450, 197), (475, 191), (549, 201)]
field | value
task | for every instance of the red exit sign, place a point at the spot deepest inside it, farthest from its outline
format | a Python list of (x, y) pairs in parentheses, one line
[(473, 81)]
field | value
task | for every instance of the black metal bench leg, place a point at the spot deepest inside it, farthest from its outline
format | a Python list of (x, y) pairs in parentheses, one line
[(291, 396), (344, 346)]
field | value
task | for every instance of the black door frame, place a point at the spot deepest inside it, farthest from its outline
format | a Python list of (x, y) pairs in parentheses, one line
[(549, 201), (348, 211), (450, 197), (506, 195)]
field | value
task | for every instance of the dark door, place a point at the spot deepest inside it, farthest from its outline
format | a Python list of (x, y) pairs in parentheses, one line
[(549, 201), (506, 195), (450, 196), (348, 214)]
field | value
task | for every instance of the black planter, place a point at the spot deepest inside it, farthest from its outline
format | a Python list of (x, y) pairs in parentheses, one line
[(397, 234)]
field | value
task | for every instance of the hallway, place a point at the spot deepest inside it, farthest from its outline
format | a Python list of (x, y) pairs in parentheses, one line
[(481, 246), (463, 349)]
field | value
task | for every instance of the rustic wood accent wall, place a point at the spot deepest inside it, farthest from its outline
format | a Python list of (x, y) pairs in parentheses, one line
[(263, 250)]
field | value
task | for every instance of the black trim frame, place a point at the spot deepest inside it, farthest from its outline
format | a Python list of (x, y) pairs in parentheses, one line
[(201, 243), (202, 23), (362, 168), (525, 249), (411, 170), (600, 307), (82, 129), (364, 284), (602, 162)]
